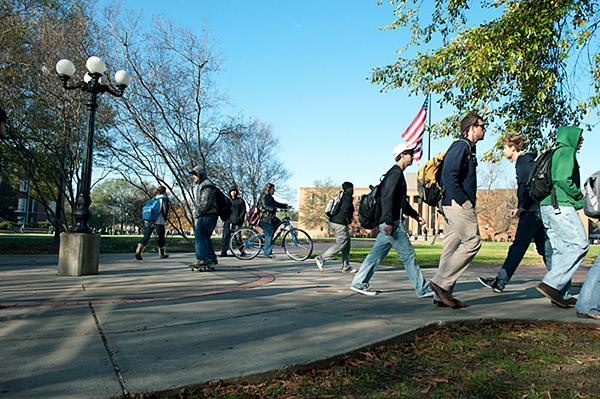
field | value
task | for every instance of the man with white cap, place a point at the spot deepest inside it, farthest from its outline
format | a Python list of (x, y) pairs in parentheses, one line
[(392, 233), (461, 230)]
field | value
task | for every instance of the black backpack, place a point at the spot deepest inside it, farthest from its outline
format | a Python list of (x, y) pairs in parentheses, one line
[(369, 208), (540, 184), (223, 204)]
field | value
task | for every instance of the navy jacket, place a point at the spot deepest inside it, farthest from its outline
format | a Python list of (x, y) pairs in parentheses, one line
[(346, 213), (523, 167), (459, 173), (393, 197)]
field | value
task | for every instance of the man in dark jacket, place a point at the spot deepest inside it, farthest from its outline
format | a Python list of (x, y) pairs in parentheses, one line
[(339, 224), (235, 221), (392, 233), (205, 212), (461, 230), (528, 211)]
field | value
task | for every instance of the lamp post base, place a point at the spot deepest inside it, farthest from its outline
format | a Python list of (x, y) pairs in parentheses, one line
[(78, 254)]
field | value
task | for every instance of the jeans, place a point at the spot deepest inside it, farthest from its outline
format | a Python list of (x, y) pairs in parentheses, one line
[(228, 229), (342, 243), (269, 229), (569, 246), (530, 226), (589, 296), (205, 251), (160, 230), (401, 243)]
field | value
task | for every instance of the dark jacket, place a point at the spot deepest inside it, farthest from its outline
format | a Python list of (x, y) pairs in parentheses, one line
[(523, 167), (268, 206), (393, 197), (459, 173), (346, 213), (238, 211)]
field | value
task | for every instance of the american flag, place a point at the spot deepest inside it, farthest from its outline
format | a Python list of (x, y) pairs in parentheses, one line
[(414, 133)]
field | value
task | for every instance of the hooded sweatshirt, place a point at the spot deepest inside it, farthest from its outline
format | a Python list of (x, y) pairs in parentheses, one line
[(206, 202), (565, 169)]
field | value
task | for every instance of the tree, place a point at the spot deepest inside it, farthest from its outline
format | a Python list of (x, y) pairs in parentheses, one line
[(521, 70), (312, 206), (119, 202)]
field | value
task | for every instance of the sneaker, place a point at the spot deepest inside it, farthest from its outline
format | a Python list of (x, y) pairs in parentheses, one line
[(209, 268), (428, 294), (198, 263), (349, 269), (583, 315), (490, 283), (364, 291), (552, 294), (320, 264), (214, 262), (570, 303)]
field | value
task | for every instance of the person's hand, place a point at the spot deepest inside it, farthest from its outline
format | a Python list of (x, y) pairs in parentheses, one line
[(421, 220), (520, 212), (513, 212), (290, 206), (388, 229)]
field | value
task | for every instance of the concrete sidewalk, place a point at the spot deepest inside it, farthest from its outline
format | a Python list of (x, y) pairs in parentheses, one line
[(156, 326)]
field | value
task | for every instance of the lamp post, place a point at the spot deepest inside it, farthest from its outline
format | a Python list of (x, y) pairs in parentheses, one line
[(81, 241)]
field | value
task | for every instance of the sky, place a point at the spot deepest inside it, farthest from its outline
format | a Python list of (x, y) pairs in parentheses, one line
[(302, 67)]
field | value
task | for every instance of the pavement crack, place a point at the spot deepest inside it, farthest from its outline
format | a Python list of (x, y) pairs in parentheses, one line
[(110, 352)]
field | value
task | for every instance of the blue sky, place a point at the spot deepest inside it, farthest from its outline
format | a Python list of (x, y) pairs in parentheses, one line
[(302, 67)]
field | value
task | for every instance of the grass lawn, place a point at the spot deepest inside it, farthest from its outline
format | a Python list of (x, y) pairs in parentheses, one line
[(499, 360)]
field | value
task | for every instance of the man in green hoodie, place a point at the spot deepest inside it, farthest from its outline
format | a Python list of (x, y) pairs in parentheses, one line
[(563, 226)]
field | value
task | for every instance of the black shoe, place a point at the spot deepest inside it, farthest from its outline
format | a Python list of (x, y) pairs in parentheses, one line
[(583, 315), (490, 283), (553, 295), (571, 302), (214, 262), (223, 254)]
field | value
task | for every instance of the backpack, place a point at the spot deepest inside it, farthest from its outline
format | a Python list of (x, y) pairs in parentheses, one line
[(151, 210), (591, 198), (369, 208), (333, 205), (223, 205), (253, 216), (429, 179), (540, 184)]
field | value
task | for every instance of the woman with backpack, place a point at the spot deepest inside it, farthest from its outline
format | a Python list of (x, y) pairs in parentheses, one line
[(158, 224), (268, 221)]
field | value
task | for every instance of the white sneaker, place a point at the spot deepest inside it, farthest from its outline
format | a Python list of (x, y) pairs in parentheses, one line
[(428, 294), (349, 269), (320, 264), (364, 291)]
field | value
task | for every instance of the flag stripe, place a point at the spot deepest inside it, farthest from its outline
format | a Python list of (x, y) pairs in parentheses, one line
[(414, 133)]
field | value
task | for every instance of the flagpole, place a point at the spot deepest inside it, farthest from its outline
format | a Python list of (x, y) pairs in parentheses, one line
[(429, 221)]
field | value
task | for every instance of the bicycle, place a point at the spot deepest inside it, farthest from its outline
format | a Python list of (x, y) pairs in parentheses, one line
[(247, 242)]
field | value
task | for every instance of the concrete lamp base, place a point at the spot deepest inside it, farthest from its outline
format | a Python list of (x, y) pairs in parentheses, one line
[(78, 254)]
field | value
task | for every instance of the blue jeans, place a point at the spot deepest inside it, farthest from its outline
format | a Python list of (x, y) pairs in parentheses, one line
[(400, 242), (269, 229), (589, 296), (160, 230), (205, 251), (569, 246), (530, 227)]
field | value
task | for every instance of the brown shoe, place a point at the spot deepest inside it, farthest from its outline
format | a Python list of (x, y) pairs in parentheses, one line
[(442, 294), (163, 252), (459, 304), (552, 294), (583, 315), (138, 251)]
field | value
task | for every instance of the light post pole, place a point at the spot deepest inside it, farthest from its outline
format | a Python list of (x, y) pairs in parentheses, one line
[(80, 248)]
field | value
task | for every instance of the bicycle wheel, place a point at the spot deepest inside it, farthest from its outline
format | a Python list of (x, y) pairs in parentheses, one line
[(297, 244), (246, 243)]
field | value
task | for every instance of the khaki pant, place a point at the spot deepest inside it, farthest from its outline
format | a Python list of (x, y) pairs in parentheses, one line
[(461, 243)]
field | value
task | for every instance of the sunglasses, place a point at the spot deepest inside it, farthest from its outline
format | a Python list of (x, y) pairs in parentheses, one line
[(482, 125)]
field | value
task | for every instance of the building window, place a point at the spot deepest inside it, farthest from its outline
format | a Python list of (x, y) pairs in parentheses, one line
[(33, 206), (24, 186), (22, 205), (52, 205)]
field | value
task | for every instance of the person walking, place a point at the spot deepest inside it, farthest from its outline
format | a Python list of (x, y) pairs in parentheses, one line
[(392, 233), (157, 225), (530, 225), (235, 221), (268, 219), (339, 224), (563, 225), (205, 213), (461, 230)]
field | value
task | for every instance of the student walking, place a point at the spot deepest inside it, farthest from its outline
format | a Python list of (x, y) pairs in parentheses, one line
[(563, 226), (530, 224), (235, 221), (392, 233), (268, 219), (461, 230), (205, 212), (339, 224), (157, 225)]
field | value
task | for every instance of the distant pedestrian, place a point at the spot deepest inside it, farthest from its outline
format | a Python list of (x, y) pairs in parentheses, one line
[(205, 213), (235, 221), (268, 220), (339, 224), (564, 226), (461, 230), (23, 228), (530, 224), (392, 233), (157, 225)]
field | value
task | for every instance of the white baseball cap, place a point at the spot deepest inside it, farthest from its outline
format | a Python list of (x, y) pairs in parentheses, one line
[(400, 148)]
